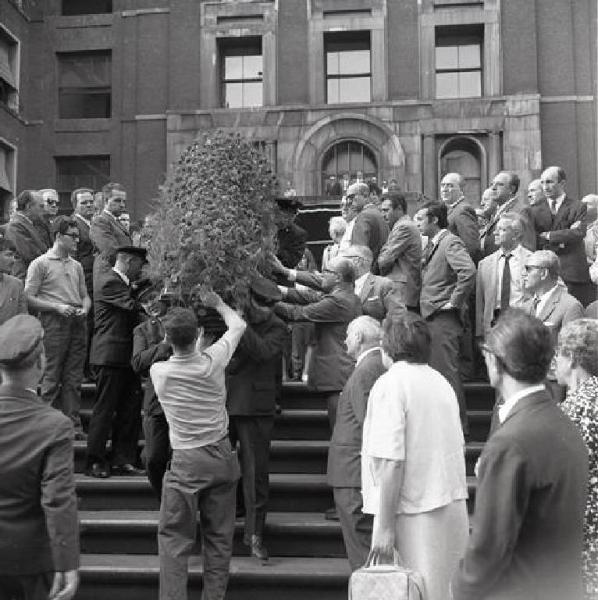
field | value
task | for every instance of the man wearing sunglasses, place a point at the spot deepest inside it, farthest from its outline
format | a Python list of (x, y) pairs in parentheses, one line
[(51, 202), (55, 287)]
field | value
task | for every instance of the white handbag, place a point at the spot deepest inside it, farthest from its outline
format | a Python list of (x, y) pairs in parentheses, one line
[(375, 581)]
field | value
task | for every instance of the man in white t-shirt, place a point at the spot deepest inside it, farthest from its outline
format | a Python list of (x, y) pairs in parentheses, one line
[(204, 470)]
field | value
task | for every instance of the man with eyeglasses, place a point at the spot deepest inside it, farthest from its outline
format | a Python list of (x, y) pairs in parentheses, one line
[(55, 287)]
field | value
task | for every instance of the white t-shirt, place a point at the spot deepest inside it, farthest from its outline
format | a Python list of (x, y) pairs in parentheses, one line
[(192, 393), (413, 416)]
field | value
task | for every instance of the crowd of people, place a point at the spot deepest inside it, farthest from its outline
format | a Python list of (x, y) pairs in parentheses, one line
[(403, 310)]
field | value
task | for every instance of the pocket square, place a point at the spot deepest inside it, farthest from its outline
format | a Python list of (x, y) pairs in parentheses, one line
[(372, 298)]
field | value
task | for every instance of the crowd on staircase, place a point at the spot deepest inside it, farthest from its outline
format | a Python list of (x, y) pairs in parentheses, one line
[(403, 310)]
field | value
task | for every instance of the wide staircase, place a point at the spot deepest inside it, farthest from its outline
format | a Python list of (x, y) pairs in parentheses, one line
[(119, 515)]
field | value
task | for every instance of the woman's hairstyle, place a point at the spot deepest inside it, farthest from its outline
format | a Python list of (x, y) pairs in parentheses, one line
[(578, 340), (406, 337), (522, 344)]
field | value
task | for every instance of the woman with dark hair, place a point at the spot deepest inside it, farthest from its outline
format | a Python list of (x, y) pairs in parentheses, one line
[(413, 466), (577, 368)]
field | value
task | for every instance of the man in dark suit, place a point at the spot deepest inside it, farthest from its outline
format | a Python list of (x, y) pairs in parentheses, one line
[(251, 403), (400, 258), (448, 277), (39, 533), (82, 202), (504, 188), (106, 232), (369, 228), (330, 365), (344, 456), (462, 219), (291, 237), (149, 347), (527, 532), (23, 234), (45, 224), (116, 404), (566, 234)]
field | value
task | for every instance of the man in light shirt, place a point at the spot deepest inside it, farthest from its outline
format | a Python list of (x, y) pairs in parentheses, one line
[(499, 283), (204, 470), (530, 502)]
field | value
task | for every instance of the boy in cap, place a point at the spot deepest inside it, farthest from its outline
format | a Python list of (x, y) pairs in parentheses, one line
[(203, 472), (251, 403), (55, 287), (117, 404), (39, 536), (12, 295)]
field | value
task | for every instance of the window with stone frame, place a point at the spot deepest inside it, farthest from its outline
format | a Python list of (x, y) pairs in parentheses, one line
[(348, 68), (242, 72), (74, 172), (7, 183), (459, 60), (86, 7), (9, 65), (85, 85)]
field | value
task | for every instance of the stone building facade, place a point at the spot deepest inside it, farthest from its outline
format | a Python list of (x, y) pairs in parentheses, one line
[(397, 89)]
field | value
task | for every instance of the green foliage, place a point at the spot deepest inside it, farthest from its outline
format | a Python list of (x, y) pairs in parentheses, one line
[(215, 221)]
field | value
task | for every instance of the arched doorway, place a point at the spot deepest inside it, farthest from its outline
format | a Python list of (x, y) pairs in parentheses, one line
[(349, 160), (464, 155)]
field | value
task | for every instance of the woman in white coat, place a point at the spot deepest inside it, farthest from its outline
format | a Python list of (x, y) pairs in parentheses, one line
[(413, 460)]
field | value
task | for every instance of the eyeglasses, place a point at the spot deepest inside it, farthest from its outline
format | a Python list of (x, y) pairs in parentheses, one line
[(528, 268), (51, 201), (350, 196)]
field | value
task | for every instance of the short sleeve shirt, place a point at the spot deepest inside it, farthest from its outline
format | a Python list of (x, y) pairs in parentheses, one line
[(191, 390)]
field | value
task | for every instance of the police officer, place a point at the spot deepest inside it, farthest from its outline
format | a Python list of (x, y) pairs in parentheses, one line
[(251, 403), (39, 536)]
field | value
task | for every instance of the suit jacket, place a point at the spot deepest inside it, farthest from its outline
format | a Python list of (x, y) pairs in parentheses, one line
[(530, 503), (486, 288), (116, 314), (251, 373), (514, 205), (378, 295), (448, 275), (44, 227), (400, 259), (149, 347), (85, 253), (107, 234), (463, 222), (592, 310), (39, 529), (370, 230), (566, 241), (27, 240), (330, 365), (558, 311), (344, 455)]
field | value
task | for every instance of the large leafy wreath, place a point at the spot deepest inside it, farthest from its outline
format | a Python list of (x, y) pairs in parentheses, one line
[(215, 221)]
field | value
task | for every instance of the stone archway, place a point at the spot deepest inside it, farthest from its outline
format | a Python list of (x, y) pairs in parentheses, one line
[(307, 159)]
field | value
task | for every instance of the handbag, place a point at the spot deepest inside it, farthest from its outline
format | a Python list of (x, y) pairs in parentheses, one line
[(375, 581)]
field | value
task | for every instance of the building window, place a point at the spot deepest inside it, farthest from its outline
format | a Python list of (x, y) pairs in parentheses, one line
[(73, 172), (348, 161), (458, 63), (9, 69), (86, 7), (463, 155), (7, 172), (348, 67), (242, 68), (85, 80)]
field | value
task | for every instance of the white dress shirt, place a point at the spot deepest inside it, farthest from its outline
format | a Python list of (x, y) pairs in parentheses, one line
[(516, 264), (359, 283), (346, 239), (505, 410)]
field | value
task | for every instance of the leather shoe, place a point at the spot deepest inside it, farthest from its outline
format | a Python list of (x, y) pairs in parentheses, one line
[(258, 550), (97, 470), (126, 469)]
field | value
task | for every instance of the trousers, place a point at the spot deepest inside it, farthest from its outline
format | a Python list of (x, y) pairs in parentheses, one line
[(203, 478), (26, 587), (65, 340), (157, 450), (445, 331), (356, 527), (254, 434), (117, 407)]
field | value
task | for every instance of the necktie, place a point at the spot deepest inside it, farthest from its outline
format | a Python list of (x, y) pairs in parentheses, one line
[(553, 206), (535, 303), (505, 287)]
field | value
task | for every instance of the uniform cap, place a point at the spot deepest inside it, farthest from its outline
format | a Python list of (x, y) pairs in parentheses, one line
[(19, 337), (288, 203), (265, 290), (134, 250)]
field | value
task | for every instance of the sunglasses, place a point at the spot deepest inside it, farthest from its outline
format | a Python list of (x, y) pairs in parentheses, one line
[(52, 202), (529, 268)]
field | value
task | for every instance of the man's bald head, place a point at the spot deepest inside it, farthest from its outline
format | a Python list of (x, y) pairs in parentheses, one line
[(451, 187), (343, 267)]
